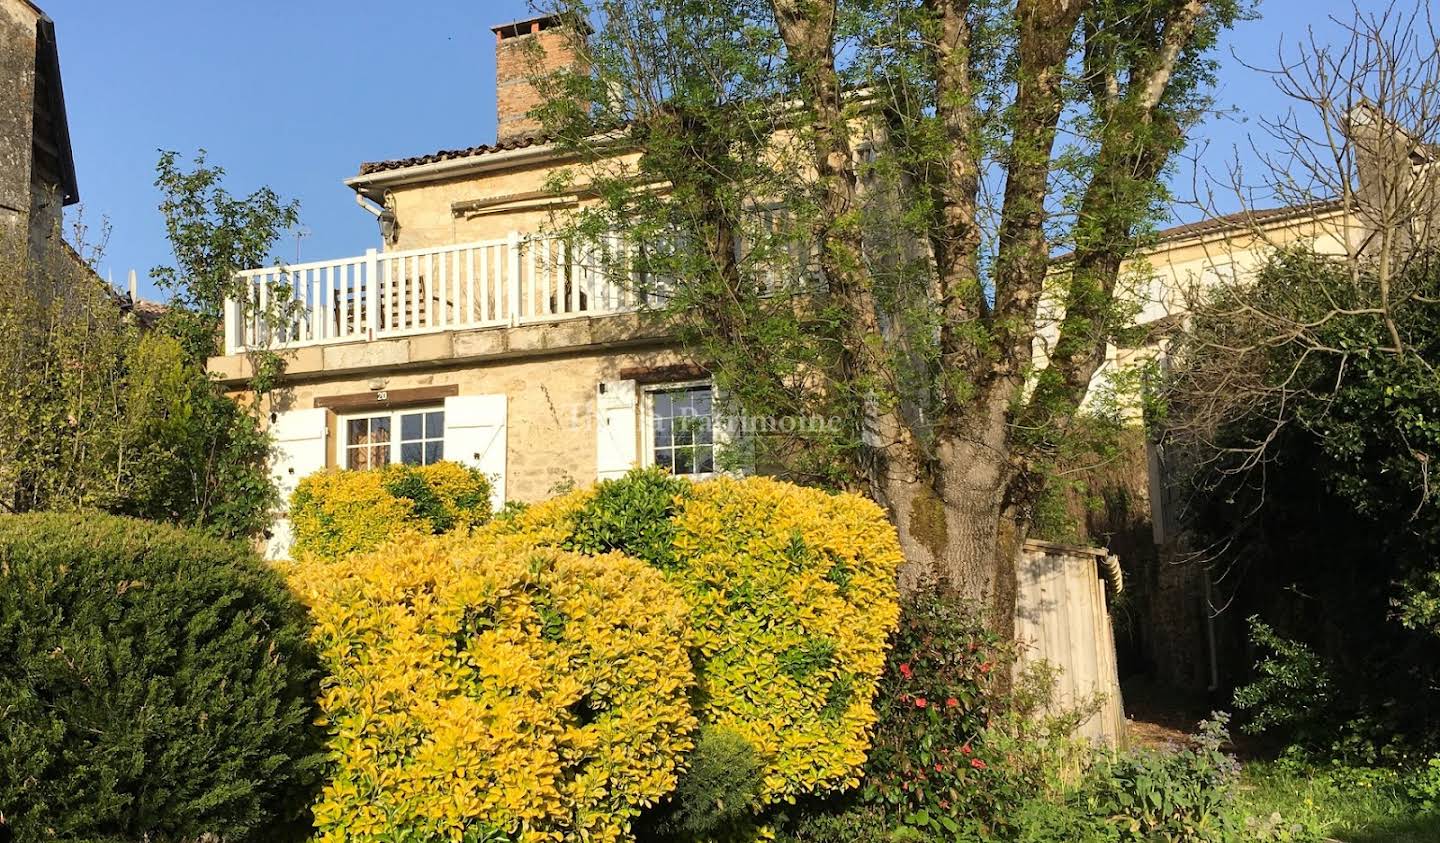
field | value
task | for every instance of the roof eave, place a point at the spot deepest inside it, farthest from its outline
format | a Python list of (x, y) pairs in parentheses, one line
[(50, 54), (373, 185)]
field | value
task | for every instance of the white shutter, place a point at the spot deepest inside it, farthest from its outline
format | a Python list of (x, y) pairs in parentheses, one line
[(616, 428), (299, 450), (475, 434)]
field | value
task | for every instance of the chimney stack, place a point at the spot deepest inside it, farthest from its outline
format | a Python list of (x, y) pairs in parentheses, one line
[(524, 50)]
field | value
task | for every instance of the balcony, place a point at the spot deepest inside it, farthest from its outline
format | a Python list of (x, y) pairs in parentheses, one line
[(522, 279)]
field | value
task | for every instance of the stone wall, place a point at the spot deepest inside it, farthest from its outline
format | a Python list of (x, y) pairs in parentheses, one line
[(551, 425), (17, 98)]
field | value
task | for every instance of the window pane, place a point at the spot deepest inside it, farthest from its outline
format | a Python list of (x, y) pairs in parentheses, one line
[(662, 404), (700, 401), (684, 430), (356, 431), (411, 427), (435, 424), (662, 433), (411, 453), (684, 461), (663, 459), (380, 454), (434, 452), (706, 461), (379, 429), (355, 458)]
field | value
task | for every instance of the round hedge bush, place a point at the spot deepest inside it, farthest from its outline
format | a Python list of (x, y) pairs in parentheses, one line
[(485, 689), (791, 596), (337, 513), (156, 684)]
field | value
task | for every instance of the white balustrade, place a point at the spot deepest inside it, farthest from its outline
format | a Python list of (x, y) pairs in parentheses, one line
[(517, 280)]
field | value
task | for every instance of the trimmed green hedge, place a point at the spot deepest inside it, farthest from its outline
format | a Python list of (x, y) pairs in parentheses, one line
[(156, 684)]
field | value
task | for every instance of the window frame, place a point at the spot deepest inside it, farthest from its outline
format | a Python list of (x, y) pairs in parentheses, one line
[(647, 422), (343, 446)]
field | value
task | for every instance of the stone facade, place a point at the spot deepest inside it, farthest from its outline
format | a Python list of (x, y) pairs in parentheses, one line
[(17, 85), (551, 374), (37, 171), (552, 407)]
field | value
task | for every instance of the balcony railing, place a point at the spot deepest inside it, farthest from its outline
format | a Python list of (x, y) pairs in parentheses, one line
[(492, 283)]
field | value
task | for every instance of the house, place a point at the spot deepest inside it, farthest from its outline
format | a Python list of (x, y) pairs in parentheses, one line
[(37, 167), (471, 335)]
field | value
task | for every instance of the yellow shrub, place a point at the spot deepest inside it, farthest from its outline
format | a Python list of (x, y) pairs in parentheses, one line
[(336, 513), (488, 690), (792, 596)]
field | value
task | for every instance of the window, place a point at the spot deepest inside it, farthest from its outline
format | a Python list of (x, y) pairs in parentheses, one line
[(680, 433), (371, 440)]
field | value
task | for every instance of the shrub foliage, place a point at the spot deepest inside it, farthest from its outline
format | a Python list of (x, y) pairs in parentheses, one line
[(157, 685), (337, 513), (486, 690), (791, 595)]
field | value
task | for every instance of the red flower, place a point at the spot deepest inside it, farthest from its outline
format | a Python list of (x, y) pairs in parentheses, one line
[(939, 767), (951, 702), (905, 670), (977, 763), (920, 702), (985, 667), (966, 749)]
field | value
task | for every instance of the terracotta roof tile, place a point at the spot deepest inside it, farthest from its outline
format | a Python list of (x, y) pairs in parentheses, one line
[(371, 167)]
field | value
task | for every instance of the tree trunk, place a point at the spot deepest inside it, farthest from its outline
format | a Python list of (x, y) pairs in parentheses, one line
[(959, 526)]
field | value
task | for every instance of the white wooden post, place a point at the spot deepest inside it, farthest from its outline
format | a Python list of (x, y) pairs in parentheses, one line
[(470, 313), (372, 293), (232, 325)]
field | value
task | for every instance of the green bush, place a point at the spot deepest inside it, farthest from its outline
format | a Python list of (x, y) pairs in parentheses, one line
[(1423, 785), (855, 824), (634, 515), (956, 754), (156, 685), (715, 796)]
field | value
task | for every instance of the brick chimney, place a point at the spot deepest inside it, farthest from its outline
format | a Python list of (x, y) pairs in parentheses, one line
[(524, 50)]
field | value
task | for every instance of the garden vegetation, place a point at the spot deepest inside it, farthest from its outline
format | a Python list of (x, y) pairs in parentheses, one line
[(493, 690), (791, 594), (157, 684), (338, 513)]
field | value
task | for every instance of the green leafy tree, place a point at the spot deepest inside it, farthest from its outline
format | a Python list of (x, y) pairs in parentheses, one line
[(214, 236), (102, 411), (846, 210)]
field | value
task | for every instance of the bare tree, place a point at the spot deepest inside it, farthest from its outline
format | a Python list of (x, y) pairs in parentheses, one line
[(1355, 164)]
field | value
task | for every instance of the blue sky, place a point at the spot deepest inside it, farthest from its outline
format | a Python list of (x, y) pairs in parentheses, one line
[(296, 94)]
